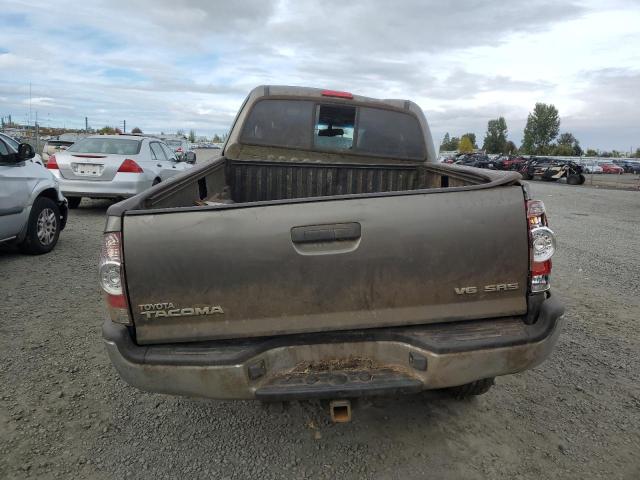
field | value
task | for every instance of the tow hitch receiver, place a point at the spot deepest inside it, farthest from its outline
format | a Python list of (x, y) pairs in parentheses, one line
[(340, 411)]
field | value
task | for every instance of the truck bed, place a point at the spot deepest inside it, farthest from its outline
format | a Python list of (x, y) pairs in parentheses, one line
[(259, 248), (226, 181)]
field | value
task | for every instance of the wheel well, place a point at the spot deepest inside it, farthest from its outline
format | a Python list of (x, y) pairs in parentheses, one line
[(50, 193)]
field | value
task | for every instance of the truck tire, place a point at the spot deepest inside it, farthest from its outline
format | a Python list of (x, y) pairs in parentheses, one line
[(575, 179), (471, 389), (43, 228), (74, 202)]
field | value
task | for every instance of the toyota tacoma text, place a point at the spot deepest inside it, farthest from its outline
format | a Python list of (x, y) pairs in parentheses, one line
[(325, 254)]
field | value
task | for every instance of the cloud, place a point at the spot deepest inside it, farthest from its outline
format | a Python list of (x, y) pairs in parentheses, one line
[(164, 65)]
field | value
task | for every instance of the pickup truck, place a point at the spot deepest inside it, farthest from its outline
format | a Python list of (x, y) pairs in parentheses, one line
[(325, 254)]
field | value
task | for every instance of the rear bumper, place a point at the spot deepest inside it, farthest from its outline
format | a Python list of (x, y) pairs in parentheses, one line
[(123, 185), (338, 364)]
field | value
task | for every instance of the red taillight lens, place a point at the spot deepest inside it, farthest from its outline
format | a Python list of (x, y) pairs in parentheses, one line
[(112, 279), (337, 94), (52, 164), (130, 166), (542, 246), (179, 149), (541, 268)]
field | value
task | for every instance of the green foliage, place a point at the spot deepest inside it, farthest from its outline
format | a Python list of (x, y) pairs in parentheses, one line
[(511, 148), (106, 130), (472, 139), (465, 145), (136, 130), (567, 145), (217, 139), (449, 144), (591, 153), (543, 125), (637, 154), (192, 136), (495, 140)]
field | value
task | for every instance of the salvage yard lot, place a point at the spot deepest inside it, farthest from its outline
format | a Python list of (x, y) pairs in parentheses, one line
[(64, 412)]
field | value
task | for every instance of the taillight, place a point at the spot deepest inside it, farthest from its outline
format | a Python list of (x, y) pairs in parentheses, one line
[(542, 246), (52, 163), (179, 149), (112, 279), (130, 166)]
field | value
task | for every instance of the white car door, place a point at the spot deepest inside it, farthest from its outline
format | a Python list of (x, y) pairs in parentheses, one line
[(17, 181), (160, 160)]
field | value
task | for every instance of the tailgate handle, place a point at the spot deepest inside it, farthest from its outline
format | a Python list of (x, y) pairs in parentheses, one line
[(326, 233)]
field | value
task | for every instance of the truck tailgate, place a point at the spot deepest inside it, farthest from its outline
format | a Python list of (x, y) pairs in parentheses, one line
[(333, 264)]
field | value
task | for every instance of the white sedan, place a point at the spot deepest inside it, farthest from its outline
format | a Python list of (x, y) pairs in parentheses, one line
[(592, 168), (113, 166)]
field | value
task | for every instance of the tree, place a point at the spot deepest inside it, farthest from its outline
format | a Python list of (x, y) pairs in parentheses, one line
[(136, 130), (569, 145), (192, 136), (591, 153), (510, 148), (495, 140), (542, 128), (472, 139), (106, 130), (180, 133), (449, 143), (465, 145), (637, 154), (446, 140), (217, 139)]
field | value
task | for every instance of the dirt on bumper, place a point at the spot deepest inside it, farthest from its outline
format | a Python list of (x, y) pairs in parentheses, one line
[(338, 364)]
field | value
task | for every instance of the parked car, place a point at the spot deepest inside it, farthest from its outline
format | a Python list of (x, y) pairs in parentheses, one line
[(551, 170), (33, 211), (182, 149), (510, 163), (478, 160), (113, 166), (326, 254), (53, 146), (611, 168), (592, 168), (629, 166), (14, 146)]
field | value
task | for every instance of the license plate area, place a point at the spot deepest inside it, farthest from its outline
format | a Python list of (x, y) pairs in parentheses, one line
[(87, 169)]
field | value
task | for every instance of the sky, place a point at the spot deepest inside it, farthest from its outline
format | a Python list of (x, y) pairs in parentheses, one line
[(188, 64)]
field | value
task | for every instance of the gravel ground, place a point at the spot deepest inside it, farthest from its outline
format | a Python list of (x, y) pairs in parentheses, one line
[(64, 413)]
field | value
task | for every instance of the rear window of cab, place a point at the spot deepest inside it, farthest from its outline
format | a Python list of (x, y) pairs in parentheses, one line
[(309, 125)]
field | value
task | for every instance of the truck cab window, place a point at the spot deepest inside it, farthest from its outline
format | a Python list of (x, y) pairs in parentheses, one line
[(334, 127), (282, 123)]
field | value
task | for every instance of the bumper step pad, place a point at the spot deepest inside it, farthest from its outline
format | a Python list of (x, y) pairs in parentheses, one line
[(338, 384)]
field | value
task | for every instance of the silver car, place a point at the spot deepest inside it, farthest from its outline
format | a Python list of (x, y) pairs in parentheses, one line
[(33, 212), (113, 166)]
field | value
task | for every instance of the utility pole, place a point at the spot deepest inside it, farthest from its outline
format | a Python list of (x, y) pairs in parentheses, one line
[(37, 134), (124, 126), (86, 124), (29, 103)]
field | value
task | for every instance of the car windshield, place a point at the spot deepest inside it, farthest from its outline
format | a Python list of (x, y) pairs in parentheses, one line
[(173, 143), (114, 146)]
